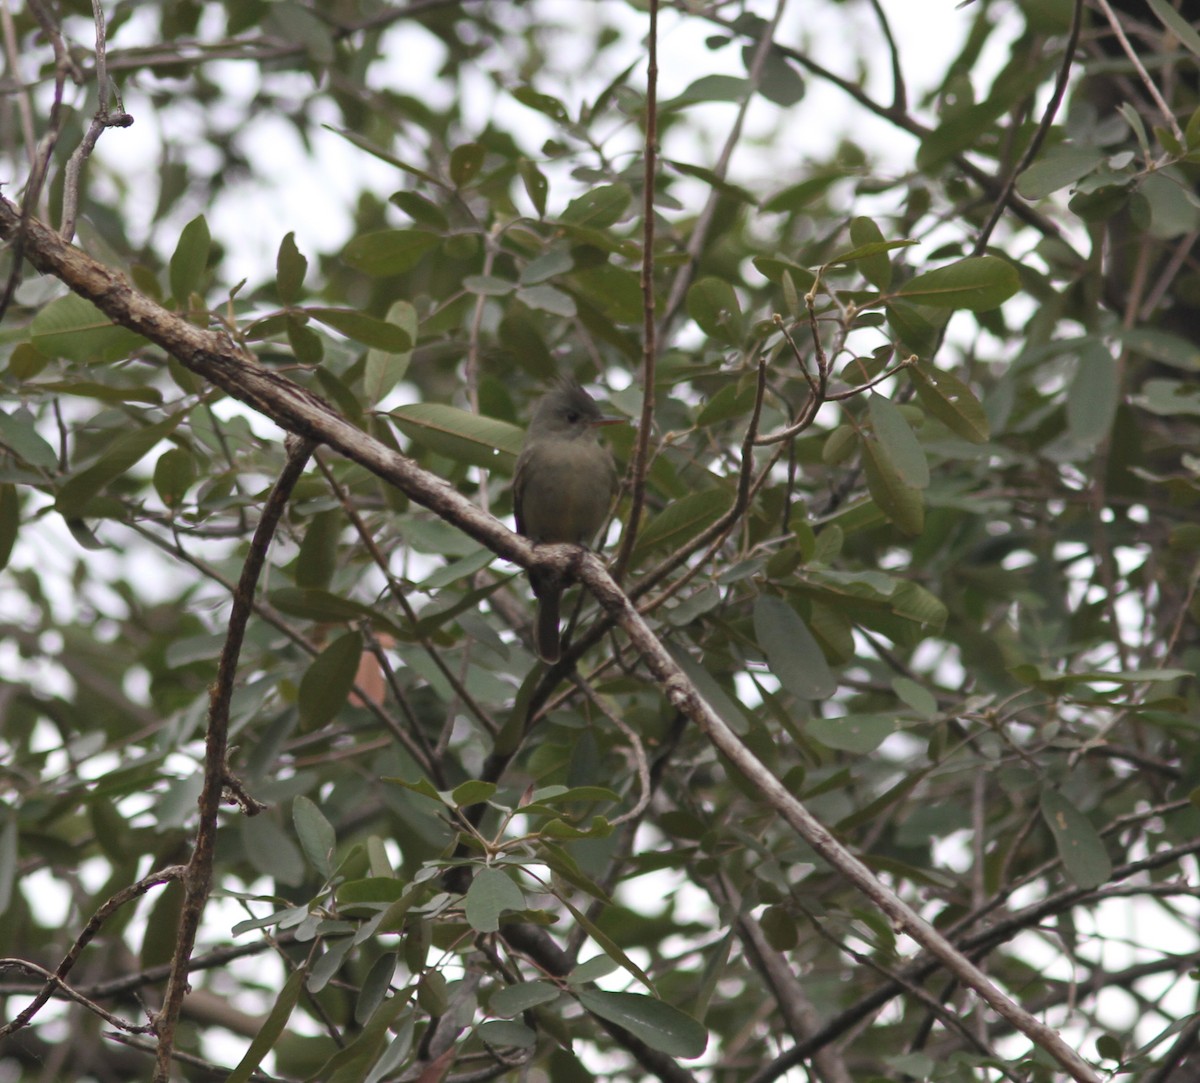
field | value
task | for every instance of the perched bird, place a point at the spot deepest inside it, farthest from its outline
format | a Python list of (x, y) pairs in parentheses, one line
[(562, 489)]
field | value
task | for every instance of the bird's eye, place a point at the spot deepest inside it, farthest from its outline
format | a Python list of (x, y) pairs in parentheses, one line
[(573, 416)]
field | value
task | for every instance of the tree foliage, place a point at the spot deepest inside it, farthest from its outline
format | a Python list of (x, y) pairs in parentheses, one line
[(887, 775)]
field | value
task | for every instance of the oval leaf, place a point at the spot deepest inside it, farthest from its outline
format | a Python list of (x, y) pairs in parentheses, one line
[(328, 680), (515, 999), (491, 892), (1079, 844), (290, 269), (459, 434), (189, 259), (900, 502), (898, 441), (1095, 392), (976, 283), (712, 303), (389, 252), (368, 330), (951, 401), (792, 653), (683, 519), (76, 330), (315, 833), (659, 1025), (272, 1027)]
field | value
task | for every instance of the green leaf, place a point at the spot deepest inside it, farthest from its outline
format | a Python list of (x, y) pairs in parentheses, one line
[(328, 680), (459, 434), (498, 1032), (898, 500), (1174, 350), (318, 557), (306, 344), (916, 696), (1093, 396), (899, 443), (711, 88), (779, 82), (490, 893), (913, 326), (190, 259), (515, 999), (1178, 25), (656, 1023), (1165, 206), (9, 855), (10, 525), (712, 303), (330, 962), (1079, 844), (26, 361), (951, 401), (374, 987), (876, 267), (1168, 397), (397, 1051), (472, 792), (19, 435), (543, 103), (386, 368), (300, 25), (683, 519), (371, 1045), (125, 451), (548, 299), (977, 283), (791, 651), (1058, 167), (316, 834), (365, 329), (734, 191), (321, 605), (466, 160), (374, 889), (599, 208), (536, 185), (871, 253), (173, 475), (709, 687), (859, 734), (290, 269), (390, 251), (271, 1029), (76, 330)]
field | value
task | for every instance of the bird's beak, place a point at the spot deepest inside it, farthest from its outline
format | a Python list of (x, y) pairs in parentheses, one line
[(608, 420)]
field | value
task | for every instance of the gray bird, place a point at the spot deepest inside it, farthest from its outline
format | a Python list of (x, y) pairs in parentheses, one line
[(562, 489)]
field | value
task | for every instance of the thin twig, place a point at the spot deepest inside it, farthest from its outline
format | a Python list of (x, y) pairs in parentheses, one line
[(899, 94), (1167, 114), (197, 879), (109, 907), (704, 221), (1005, 195), (635, 746), (639, 462), (397, 592)]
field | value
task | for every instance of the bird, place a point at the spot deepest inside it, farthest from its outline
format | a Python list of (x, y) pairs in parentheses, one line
[(563, 487)]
